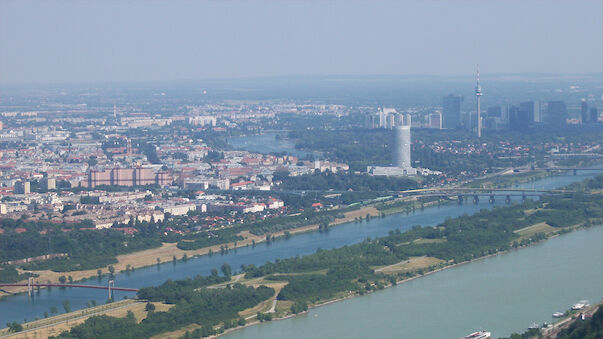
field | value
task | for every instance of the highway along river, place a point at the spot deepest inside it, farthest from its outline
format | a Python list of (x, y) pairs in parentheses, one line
[(20, 307)]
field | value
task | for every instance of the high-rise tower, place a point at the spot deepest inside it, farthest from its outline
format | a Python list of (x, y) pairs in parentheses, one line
[(451, 111), (584, 111), (402, 143), (478, 94)]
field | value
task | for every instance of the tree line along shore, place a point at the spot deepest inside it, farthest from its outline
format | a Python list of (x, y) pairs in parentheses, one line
[(81, 254), (348, 271)]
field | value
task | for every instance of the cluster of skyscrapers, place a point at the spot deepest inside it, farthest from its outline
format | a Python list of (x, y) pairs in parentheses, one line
[(384, 118), (526, 115)]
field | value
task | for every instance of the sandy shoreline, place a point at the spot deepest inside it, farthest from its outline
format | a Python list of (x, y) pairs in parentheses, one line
[(349, 296), (167, 251)]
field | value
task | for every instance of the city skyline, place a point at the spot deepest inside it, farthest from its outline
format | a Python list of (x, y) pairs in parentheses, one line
[(195, 169)]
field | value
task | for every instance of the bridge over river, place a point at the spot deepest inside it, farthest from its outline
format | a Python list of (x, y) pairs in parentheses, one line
[(31, 285), (463, 192)]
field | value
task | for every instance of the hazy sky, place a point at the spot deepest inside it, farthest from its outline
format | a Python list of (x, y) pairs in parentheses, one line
[(82, 41)]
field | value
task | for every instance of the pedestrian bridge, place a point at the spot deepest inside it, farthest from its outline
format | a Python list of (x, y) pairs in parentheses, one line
[(31, 285)]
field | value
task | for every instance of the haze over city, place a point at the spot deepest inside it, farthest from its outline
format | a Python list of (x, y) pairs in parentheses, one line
[(69, 41), (353, 169)]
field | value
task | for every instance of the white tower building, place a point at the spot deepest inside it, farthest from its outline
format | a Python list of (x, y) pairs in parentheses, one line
[(402, 142)]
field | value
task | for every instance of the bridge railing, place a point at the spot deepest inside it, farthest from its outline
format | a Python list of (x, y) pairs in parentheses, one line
[(126, 289)]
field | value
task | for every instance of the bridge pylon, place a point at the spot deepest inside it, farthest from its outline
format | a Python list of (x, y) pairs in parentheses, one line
[(476, 199), (111, 285), (30, 286), (492, 199)]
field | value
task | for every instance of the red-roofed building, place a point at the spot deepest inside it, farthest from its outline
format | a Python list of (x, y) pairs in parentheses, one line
[(241, 185)]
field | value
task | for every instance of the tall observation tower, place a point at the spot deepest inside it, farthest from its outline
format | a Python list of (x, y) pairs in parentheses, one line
[(478, 94)]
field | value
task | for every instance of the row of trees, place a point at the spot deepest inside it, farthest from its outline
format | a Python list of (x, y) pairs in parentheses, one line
[(346, 181), (329, 273), (85, 249), (173, 291), (454, 240), (362, 147), (90, 249), (9, 274), (205, 307), (206, 239)]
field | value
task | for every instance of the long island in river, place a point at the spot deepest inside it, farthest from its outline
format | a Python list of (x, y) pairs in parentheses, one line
[(448, 291)]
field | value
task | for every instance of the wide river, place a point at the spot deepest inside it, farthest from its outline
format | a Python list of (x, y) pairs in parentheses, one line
[(450, 303), (502, 294)]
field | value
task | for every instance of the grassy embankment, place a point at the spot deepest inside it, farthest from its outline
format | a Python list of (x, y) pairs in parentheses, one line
[(420, 265), (54, 325), (417, 266), (167, 251)]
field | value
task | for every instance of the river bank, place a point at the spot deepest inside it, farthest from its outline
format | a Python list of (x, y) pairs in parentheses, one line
[(502, 293), (300, 245), (419, 271), (418, 276), (333, 300), (167, 251)]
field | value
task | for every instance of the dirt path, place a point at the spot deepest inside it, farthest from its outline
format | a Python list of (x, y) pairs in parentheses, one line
[(273, 308)]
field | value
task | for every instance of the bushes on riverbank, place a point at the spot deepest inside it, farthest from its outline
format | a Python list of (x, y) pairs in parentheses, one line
[(205, 307), (9, 274), (331, 273), (84, 249), (454, 240), (585, 329), (206, 239)]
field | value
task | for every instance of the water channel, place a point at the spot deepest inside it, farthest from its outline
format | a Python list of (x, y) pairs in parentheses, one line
[(268, 143), (20, 307)]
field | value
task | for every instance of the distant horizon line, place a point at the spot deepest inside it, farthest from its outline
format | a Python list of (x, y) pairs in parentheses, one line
[(491, 76)]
